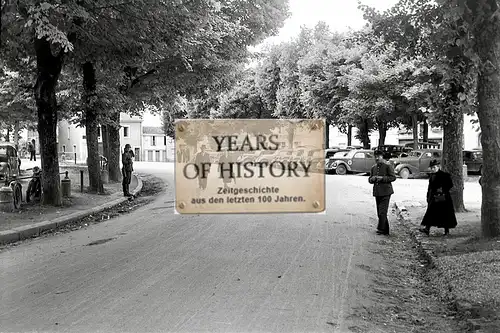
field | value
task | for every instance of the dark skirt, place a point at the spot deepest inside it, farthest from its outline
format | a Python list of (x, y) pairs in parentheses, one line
[(440, 214)]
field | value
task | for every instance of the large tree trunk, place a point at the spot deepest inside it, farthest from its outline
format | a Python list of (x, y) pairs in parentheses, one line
[(414, 123), (16, 134), (382, 130), (425, 131), (349, 135), (114, 148), (48, 70), (453, 158), (327, 134), (105, 140), (91, 128), (364, 133), (488, 112)]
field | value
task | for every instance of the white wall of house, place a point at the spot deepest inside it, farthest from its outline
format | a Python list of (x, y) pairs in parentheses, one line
[(131, 133), (158, 148)]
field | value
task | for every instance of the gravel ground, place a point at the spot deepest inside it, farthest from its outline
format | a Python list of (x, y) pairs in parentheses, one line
[(468, 269)]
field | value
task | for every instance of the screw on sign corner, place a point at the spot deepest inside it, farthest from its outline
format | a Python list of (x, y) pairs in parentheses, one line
[(316, 204), (181, 128), (182, 205)]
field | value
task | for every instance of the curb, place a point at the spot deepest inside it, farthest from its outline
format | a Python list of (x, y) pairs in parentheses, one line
[(425, 249), (28, 231)]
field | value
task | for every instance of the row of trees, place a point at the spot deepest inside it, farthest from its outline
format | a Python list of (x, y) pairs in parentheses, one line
[(419, 62), (87, 61)]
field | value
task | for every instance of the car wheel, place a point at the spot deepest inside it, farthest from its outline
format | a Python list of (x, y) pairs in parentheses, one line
[(18, 197), (341, 170), (404, 173)]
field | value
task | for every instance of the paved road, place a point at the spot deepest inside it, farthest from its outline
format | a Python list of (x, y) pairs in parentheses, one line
[(230, 273)]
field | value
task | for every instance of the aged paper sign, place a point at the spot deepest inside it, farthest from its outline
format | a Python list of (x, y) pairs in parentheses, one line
[(249, 166)]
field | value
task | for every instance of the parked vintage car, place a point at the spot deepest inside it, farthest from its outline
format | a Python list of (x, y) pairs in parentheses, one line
[(474, 160), (9, 162), (354, 161), (417, 162)]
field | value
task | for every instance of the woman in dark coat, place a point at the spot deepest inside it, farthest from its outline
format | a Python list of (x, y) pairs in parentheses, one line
[(440, 211)]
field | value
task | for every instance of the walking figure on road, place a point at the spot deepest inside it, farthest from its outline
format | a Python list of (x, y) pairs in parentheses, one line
[(201, 158), (127, 168), (224, 168), (381, 176), (440, 210), (32, 150)]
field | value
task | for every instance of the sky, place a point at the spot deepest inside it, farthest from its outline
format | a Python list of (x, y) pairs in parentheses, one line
[(340, 15)]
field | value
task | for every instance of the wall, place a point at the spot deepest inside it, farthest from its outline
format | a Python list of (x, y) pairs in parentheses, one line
[(166, 152), (134, 138)]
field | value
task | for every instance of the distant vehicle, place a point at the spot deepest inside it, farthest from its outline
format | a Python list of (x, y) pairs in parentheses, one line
[(474, 160), (424, 145), (355, 161), (9, 162), (395, 150), (417, 162), (284, 155), (265, 156)]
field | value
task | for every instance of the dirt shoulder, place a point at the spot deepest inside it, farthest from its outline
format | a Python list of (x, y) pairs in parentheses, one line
[(467, 266), (33, 212), (403, 299)]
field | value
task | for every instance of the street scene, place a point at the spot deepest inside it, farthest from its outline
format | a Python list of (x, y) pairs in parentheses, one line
[(237, 166)]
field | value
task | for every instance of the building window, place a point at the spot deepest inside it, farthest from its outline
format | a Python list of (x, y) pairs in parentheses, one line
[(126, 131), (74, 148), (98, 131), (165, 140), (153, 142), (64, 148), (69, 131)]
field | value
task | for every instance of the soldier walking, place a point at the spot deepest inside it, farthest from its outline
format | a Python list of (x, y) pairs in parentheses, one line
[(381, 176)]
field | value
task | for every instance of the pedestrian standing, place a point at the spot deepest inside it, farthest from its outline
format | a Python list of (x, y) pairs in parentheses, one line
[(224, 168), (440, 210), (381, 176), (33, 152), (127, 168)]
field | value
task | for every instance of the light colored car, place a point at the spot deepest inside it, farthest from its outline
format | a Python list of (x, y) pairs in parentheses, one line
[(354, 161), (9, 162)]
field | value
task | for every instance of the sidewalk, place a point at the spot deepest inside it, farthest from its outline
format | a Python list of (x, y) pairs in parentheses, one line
[(467, 266), (32, 218)]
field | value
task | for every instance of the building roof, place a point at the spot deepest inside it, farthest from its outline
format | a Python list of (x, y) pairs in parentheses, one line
[(153, 130)]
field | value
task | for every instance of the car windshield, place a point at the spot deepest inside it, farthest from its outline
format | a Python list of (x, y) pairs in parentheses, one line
[(340, 154), (415, 154), (478, 154)]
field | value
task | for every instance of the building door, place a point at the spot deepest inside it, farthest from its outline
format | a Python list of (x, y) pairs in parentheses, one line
[(150, 155), (137, 153), (157, 156)]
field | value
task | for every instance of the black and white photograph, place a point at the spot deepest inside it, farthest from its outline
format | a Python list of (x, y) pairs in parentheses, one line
[(384, 218)]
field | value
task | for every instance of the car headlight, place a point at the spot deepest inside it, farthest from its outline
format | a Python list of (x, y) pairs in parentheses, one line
[(349, 162)]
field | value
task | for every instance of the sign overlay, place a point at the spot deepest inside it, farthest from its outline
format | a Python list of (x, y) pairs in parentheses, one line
[(249, 166)]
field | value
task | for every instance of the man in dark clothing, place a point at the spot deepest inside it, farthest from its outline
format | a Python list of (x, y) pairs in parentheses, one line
[(381, 176), (127, 163), (32, 150)]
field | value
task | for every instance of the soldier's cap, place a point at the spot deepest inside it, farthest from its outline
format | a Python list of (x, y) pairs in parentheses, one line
[(378, 153), (434, 163)]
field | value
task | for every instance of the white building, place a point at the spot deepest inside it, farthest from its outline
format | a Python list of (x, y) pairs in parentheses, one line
[(157, 146)]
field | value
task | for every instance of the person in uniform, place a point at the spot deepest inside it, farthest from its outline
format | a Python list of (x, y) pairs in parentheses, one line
[(201, 158), (440, 210), (127, 168), (381, 176)]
